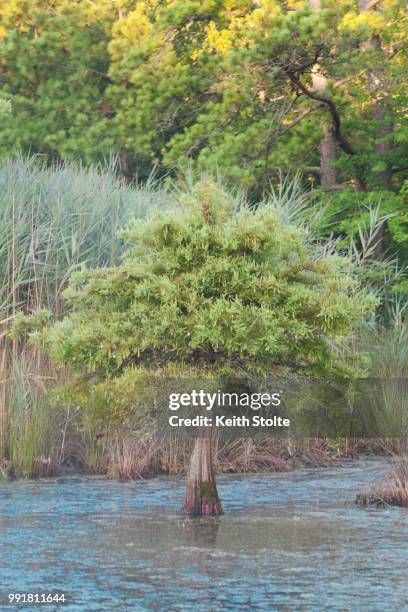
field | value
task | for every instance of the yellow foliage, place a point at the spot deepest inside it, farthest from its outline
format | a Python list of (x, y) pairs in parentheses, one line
[(262, 17), (129, 31), (13, 15), (369, 21), (218, 41), (296, 4), (240, 28)]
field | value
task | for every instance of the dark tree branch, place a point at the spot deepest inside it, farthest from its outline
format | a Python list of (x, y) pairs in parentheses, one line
[(343, 142)]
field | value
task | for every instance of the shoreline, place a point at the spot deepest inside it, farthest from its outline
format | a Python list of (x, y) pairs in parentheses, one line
[(83, 476)]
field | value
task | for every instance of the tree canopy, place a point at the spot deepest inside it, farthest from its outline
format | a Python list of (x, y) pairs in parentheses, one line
[(245, 87), (208, 287)]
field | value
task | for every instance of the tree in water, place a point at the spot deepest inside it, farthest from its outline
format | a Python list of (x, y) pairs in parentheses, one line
[(209, 287), (201, 495)]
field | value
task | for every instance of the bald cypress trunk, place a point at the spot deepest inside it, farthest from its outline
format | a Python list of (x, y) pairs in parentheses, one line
[(201, 496)]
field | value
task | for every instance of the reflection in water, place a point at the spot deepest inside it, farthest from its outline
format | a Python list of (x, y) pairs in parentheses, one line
[(287, 542), (202, 532)]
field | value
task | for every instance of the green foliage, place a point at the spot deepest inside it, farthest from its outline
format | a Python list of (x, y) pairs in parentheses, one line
[(220, 85), (54, 64), (207, 286), (210, 82), (346, 212), (352, 215)]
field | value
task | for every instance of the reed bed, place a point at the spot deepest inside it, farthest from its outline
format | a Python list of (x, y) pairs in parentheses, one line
[(121, 454), (53, 221), (387, 351)]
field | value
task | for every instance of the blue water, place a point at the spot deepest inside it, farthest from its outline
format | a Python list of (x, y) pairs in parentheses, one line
[(286, 542)]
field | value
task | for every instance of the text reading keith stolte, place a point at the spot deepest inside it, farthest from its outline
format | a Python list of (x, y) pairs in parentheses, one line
[(220, 407)]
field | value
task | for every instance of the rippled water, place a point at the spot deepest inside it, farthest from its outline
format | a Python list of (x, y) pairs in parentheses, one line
[(287, 542)]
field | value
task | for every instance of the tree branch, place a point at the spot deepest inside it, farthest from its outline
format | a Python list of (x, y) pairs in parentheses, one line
[(331, 107), (372, 4)]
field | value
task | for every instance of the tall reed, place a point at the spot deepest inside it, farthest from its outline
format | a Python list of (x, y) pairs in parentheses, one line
[(53, 221), (387, 352)]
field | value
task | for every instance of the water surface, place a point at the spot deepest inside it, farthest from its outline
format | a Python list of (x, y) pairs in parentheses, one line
[(287, 542)]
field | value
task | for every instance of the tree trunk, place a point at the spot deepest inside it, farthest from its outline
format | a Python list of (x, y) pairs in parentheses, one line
[(328, 154), (328, 144), (201, 497)]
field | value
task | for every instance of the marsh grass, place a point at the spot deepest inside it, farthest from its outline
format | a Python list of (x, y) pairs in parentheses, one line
[(390, 491), (122, 454), (38, 436), (56, 220), (53, 221), (387, 351)]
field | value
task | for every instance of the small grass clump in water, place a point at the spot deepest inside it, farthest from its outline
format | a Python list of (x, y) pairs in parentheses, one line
[(390, 492)]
